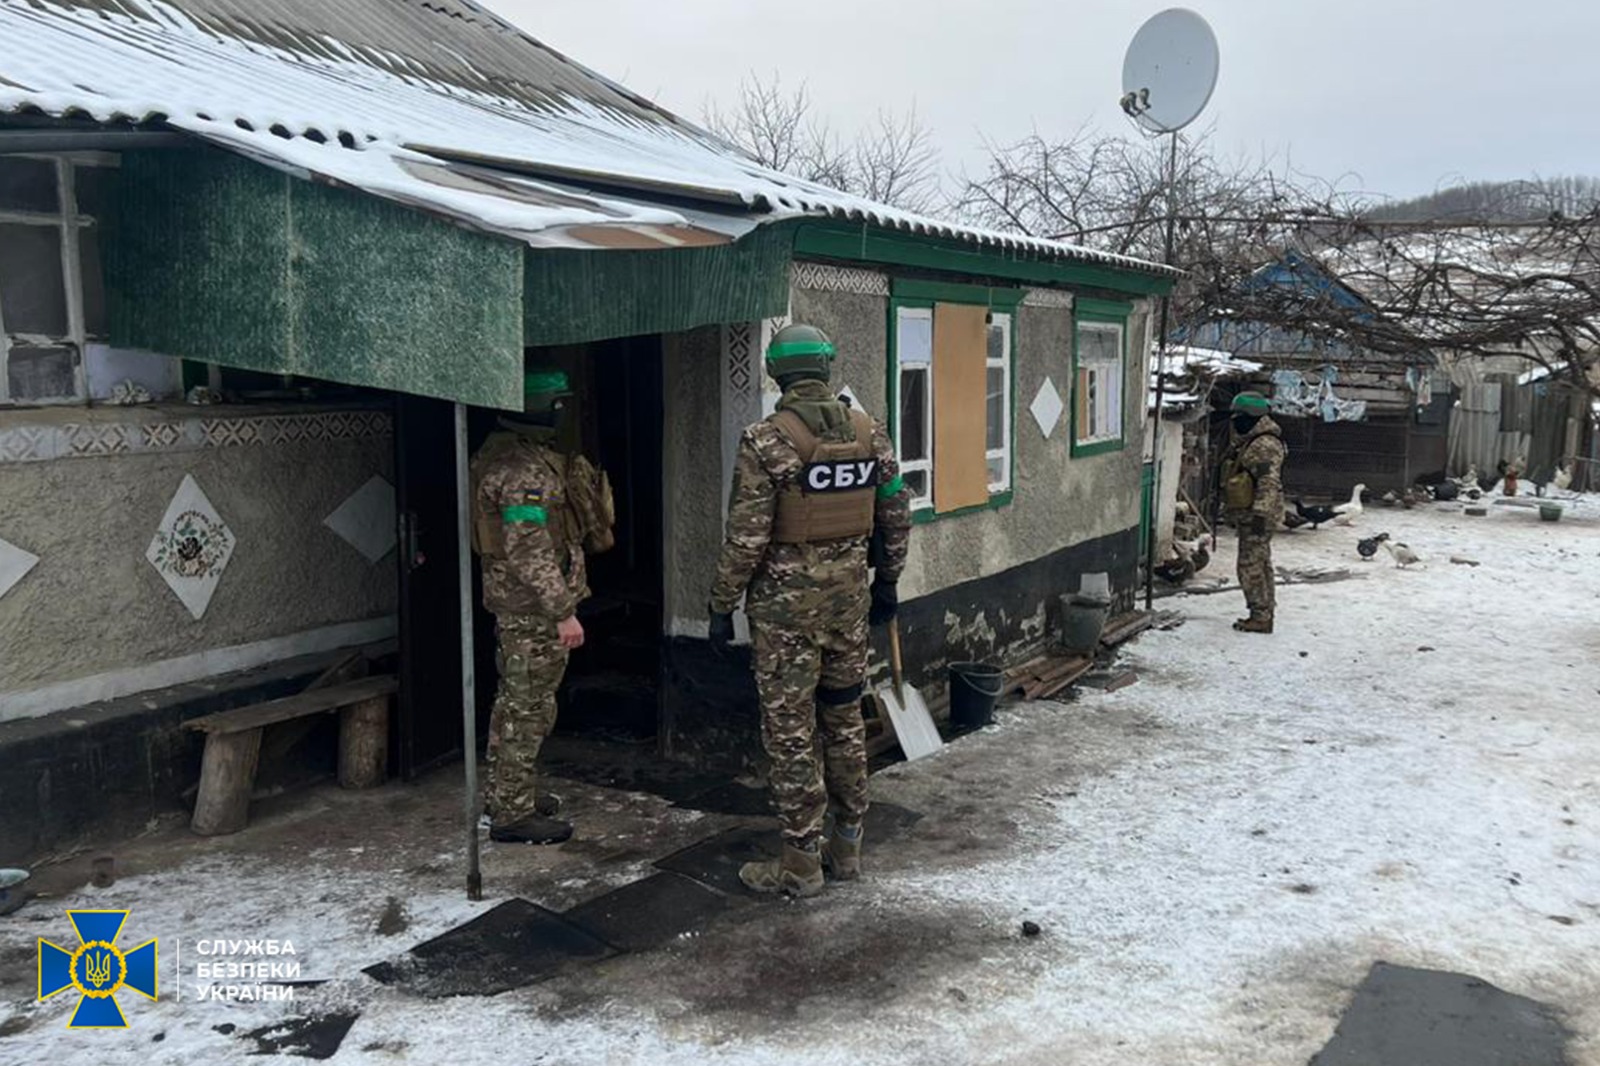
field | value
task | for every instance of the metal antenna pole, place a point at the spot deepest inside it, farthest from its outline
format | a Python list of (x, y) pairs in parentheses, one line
[(469, 699), (1161, 380)]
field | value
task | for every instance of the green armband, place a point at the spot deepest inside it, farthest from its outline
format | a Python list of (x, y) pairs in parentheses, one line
[(891, 487), (525, 513)]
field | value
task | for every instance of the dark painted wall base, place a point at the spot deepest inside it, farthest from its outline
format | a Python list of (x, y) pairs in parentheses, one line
[(709, 698), (106, 770)]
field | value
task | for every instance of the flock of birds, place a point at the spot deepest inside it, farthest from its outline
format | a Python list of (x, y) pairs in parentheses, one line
[(1345, 514)]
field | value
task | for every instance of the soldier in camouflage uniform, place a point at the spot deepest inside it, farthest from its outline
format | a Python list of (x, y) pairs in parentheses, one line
[(811, 485), (1252, 484), (533, 581)]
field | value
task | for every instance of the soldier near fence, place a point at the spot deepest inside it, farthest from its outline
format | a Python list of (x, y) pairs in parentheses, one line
[(1252, 490), (535, 511), (812, 485)]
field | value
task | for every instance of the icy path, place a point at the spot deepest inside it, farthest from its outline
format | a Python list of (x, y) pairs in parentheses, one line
[(1216, 854)]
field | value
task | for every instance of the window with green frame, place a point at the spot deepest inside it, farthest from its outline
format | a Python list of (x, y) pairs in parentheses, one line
[(1099, 376), (952, 399)]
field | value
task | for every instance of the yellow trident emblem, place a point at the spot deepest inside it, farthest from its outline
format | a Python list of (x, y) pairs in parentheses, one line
[(98, 968)]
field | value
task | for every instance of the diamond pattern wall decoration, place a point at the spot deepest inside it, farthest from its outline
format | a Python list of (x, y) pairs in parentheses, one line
[(14, 565), (1047, 408), (191, 547), (367, 519)]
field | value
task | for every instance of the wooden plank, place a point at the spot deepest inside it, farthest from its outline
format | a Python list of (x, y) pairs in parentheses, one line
[(960, 342), (316, 701), (1065, 680)]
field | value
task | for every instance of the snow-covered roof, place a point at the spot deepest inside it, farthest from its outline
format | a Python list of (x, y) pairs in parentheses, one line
[(1190, 372), (394, 96)]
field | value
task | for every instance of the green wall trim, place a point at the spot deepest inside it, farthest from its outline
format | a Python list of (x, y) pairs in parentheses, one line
[(217, 259), (951, 292), (1116, 310), (863, 243), (575, 296)]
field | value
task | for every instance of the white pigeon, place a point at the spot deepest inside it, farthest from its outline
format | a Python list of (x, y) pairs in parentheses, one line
[(1346, 513), (1563, 478), (1403, 555)]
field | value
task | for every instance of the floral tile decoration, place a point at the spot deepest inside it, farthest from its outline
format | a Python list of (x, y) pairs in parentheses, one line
[(191, 547)]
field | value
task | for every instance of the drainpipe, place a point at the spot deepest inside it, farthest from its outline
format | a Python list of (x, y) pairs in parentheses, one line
[(469, 700)]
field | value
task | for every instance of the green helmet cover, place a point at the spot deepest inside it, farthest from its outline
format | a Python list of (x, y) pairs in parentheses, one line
[(1250, 403), (800, 349), (542, 388)]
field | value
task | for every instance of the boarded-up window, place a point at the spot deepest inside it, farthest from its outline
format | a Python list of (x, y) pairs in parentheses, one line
[(954, 410)]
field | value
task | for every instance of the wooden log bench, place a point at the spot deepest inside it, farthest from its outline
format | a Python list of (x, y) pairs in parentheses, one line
[(233, 746)]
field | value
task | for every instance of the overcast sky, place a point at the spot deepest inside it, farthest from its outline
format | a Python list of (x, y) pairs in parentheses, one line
[(1398, 95)]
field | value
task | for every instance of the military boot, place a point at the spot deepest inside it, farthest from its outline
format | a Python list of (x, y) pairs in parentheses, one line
[(531, 829), (1258, 622), (797, 873), (841, 852), (547, 804)]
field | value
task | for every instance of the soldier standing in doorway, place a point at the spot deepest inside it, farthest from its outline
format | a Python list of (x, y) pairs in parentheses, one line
[(1252, 488), (811, 485), (530, 536)]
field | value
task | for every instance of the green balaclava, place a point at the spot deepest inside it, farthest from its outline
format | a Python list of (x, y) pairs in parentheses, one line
[(799, 352), (1248, 408), (545, 393)]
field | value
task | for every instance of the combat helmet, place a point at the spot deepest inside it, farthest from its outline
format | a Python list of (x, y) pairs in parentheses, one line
[(800, 351), (1250, 402), (544, 391)]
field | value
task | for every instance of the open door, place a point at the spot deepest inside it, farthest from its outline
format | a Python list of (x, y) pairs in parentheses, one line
[(428, 730)]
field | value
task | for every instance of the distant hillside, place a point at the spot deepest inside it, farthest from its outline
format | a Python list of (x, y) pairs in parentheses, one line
[(1503, 201)]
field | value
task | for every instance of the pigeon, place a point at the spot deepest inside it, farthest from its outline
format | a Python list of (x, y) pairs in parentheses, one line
[(1367, 547), (1563, 478), (1403, 555)]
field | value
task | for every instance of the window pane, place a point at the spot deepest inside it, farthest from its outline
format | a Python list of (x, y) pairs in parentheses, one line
[(32, 297), (40, 373), (913, 414), (915, 343), (917, 482), (1098, 345), (94, 284), (997, 408), (93, 186), (997, 471), (997, 339), (28, 185)]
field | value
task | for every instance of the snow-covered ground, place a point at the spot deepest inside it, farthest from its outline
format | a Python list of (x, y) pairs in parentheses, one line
[(1409, 770)]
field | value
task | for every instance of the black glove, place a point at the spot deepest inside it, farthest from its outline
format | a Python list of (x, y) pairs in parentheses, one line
[(1255, 523), (721, 631), (885, 602)]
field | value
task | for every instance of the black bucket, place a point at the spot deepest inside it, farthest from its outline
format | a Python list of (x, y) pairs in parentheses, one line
[(974, 690)]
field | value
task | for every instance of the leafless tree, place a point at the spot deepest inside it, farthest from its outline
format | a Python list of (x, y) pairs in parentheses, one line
[(893, 160)]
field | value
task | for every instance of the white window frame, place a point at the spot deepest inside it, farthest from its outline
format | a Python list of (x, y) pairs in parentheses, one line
[(923, 466), (69, 221), (1003, 364), (1081, 438)]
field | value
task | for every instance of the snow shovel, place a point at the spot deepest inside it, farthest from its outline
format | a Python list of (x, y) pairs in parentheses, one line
[(908, 712)]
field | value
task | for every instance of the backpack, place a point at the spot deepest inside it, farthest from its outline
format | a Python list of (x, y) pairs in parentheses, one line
[(591, 504)]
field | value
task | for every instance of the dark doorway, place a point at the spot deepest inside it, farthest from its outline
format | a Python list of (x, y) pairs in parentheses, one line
[(428, 726), (612, 688)]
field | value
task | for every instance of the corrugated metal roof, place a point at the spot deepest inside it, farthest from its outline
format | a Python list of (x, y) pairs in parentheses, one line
[(363, 92)]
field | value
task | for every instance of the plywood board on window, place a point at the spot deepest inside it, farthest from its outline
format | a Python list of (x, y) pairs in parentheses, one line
[(960, 465)]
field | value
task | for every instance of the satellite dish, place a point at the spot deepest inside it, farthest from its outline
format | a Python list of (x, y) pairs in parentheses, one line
[(1169, 71)]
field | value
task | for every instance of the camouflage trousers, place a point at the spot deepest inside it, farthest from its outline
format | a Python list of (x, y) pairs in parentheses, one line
[(531, 662), (1256, 576), (810, 682)]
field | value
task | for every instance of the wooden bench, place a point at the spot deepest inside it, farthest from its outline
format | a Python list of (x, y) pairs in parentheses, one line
[(233, 745)]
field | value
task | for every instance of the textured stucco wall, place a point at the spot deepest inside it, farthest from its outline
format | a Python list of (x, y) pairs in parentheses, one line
[(1059, 500), (692, 468), (93, 604)]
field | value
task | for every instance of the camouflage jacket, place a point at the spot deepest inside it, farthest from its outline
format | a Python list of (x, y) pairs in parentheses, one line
[(1261, 453), (519, 478), (823, 583)]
